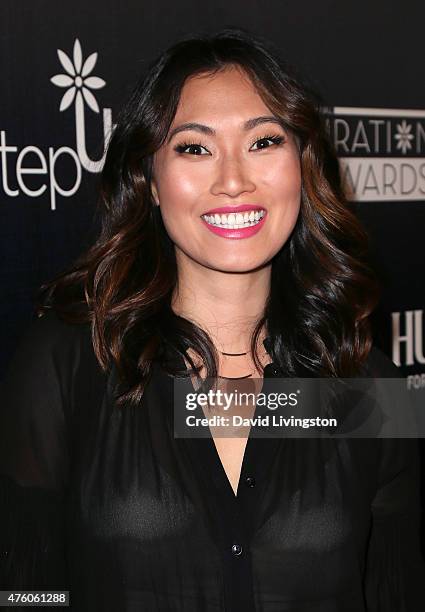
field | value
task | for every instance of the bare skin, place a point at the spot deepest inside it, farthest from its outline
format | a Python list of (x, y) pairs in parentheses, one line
[(223, 283)]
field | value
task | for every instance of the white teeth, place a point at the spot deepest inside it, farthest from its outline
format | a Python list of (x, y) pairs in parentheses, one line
[(235, 220)]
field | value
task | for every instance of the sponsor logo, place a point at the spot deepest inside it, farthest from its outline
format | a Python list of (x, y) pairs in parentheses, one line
[(78, 84), (381, 152), (408, 345), (408, 337)]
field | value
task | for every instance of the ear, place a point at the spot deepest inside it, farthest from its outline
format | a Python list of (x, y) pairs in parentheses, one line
[(154, 192)]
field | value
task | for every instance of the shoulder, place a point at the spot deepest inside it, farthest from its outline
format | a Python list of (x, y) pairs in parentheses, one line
[(53, 368), (399, 456), (378, 364), (49, 337), (52, 353), (52, 328), (388, 454)]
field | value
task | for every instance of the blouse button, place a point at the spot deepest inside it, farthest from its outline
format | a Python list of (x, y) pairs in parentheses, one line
[(250, 481), (236, 549)]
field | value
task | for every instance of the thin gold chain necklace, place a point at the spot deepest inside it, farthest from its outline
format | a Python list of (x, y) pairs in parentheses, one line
[(235, 377)]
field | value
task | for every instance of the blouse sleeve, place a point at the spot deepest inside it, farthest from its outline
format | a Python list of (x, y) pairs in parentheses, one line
[(395, 568), (35, 397)]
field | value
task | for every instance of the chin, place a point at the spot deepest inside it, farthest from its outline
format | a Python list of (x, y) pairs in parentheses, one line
[(239, 267)]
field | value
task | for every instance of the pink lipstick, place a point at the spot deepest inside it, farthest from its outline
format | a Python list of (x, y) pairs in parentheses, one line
[(241, 232)]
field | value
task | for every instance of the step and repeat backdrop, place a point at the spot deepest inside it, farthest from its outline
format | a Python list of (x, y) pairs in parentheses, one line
[(67, 67)]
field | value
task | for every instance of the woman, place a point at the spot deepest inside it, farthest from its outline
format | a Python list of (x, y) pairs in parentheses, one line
[(99, 497)]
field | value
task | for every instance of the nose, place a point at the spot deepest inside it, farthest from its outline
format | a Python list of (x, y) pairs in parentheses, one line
[(232, 177)]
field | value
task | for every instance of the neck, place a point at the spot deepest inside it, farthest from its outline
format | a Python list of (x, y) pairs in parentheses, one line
[(227, 305)]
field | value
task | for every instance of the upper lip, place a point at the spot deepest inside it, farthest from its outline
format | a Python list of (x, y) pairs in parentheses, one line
[(234, 209)]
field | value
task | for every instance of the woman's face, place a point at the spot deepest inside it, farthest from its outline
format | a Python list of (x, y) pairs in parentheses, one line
[(223, 161)]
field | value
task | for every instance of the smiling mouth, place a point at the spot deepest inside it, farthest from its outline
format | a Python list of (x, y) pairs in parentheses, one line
[(235, 220)]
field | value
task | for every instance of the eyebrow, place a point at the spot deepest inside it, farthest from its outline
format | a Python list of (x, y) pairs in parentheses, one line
[(205, 129)]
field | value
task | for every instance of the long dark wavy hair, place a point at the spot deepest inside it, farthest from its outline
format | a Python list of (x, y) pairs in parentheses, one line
[(322, 286)]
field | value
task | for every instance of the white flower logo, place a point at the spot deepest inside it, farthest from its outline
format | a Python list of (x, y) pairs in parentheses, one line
[(77, 79), (404, 136), (78, 84)]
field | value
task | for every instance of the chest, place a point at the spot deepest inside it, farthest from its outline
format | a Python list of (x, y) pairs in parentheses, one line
[(155, 505), (145, 505), (138, 480), (231, 453)]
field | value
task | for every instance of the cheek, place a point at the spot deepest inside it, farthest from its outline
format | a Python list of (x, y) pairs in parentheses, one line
[(285, 179), (179, 194), (175, 189), (285, 183), (180, 190)]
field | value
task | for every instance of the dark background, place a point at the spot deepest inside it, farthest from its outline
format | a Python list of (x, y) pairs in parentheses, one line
[(357, 54)]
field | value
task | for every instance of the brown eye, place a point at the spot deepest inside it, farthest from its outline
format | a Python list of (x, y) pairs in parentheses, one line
[(277, 140), (181, 148)]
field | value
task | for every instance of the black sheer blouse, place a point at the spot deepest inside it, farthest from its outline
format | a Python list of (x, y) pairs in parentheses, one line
[(109, 505)]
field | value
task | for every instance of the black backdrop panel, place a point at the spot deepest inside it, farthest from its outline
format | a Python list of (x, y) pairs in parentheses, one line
[(366, 58)]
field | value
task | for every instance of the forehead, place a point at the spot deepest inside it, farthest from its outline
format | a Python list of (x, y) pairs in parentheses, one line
[(228, 91)]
